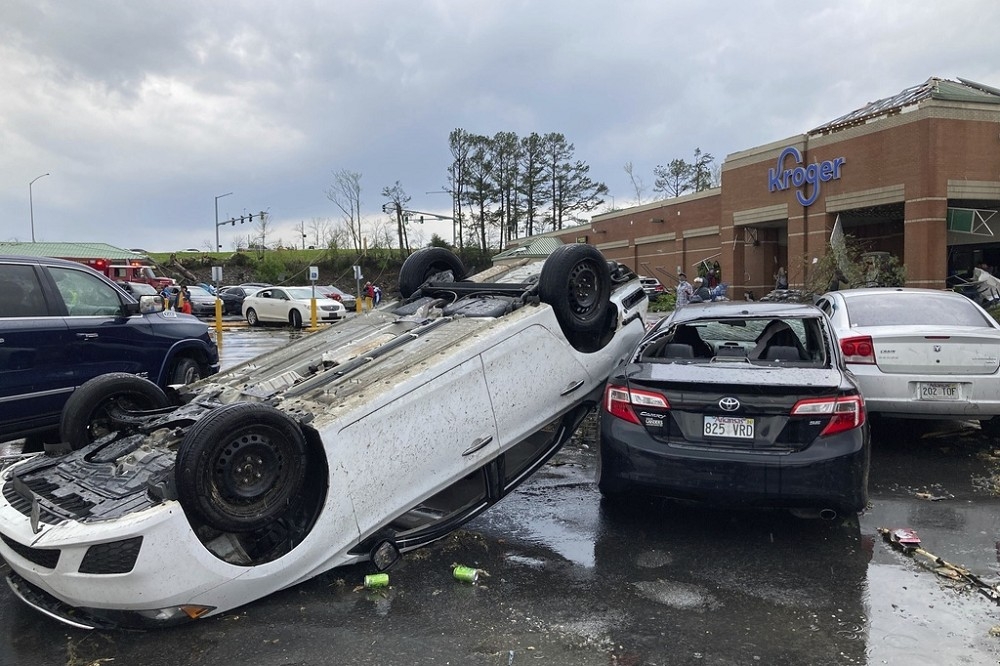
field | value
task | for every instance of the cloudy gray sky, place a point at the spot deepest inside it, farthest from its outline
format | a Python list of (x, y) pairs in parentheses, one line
[(143, 112)]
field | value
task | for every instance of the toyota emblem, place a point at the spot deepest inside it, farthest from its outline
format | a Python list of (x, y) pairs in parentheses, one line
[(937, 348), (729, 404)]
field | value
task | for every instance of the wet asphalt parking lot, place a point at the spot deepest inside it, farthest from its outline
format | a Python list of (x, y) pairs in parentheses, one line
[(568, 579)]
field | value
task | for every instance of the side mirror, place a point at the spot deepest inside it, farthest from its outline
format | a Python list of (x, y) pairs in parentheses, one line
[(150, 304)]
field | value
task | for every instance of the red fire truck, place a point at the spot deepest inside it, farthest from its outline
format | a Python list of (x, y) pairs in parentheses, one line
[(128, 271)]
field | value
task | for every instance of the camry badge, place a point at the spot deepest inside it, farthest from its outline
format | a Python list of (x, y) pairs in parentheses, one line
[(729, 404)]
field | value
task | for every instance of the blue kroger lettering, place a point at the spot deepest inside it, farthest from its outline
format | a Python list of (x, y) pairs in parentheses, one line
[(801, 176)]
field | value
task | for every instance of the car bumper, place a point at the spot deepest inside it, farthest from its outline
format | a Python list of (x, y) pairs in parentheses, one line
[(832, 473), (111, 573), (900, 395)]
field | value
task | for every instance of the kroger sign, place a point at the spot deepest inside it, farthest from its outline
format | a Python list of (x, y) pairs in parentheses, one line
[(780, 178)]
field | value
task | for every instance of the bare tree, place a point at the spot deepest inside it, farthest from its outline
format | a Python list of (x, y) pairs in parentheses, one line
[(460, 144), (398, 198), (319, 228), (263, 226), (346, 194), (637, 184), (301, 234)]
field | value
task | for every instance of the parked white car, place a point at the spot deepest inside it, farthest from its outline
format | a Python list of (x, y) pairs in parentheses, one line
[(357, 443), (920, 353), (290, 305)]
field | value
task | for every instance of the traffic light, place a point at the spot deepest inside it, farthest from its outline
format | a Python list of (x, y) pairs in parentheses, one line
[(250, 218)]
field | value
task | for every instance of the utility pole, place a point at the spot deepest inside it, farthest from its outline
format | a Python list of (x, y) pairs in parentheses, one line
[(217, 246)]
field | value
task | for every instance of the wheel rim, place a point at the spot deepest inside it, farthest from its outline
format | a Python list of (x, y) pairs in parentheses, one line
[(248, 468), (583, 291), (103, 421)]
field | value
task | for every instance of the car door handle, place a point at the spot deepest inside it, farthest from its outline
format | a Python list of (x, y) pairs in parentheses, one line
[(572, 387), (478, 444), (87, 336)]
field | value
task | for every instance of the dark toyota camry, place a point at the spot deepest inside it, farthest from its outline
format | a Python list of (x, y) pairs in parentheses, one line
[(738, 404)]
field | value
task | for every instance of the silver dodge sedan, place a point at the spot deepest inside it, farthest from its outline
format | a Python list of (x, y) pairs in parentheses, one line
[(920, 353)]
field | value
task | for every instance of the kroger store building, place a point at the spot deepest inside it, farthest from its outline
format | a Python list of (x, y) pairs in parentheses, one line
[(916, 175)]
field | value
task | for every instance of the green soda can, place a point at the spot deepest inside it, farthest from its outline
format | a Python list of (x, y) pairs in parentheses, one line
[(465, 574), (373, 581)]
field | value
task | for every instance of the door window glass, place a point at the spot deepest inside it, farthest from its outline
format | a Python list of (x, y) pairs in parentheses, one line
[(85, 295), (20, 292)]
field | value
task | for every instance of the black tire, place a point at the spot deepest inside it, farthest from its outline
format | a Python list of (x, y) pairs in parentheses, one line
[(241, 467), (89, 412), (990, 427), (576, 282), (611, 486), (252, 317), (295, 319), (425, 264), (185, 371)]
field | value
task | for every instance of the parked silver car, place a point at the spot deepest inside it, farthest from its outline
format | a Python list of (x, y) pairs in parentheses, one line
[(920, 353)]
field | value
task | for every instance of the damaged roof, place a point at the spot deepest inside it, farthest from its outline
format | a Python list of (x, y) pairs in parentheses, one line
[(535, 246), (934, 88)]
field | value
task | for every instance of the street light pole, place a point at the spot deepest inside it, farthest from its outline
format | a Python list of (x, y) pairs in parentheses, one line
[(31, 206), (217, 246)]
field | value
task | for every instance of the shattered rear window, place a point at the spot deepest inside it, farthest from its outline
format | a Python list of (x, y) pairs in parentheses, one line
[(766, 340)]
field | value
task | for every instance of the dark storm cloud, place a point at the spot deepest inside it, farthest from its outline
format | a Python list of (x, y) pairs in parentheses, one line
[(145, 112)]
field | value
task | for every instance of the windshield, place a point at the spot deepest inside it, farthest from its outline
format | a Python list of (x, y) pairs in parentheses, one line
[(302, 293)]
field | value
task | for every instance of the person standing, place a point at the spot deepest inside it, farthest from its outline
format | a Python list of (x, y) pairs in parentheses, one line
[(781, 279), (185, 300), (368, 293), (684, 291), (702, 294)]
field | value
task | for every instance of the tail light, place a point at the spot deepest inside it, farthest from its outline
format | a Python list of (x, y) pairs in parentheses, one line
[(618, 402), (858, 349), (845, 413)]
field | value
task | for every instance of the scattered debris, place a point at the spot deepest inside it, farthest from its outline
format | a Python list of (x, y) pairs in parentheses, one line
[(931, 498), (377, 580), (907, 541), (467, 574)]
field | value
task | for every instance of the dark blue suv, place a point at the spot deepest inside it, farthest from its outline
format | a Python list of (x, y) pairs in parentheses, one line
[(62, 323)]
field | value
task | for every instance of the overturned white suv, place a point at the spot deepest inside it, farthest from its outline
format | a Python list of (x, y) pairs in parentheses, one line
[(374, 437)]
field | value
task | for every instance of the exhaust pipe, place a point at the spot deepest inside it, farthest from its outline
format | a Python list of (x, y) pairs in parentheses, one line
[(828, 514)]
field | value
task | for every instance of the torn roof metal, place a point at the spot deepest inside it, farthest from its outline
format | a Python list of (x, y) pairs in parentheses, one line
[(934, 88), (541, 246)]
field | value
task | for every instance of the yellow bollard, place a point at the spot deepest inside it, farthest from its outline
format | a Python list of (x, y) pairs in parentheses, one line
[(218, 319), (313, 312)]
